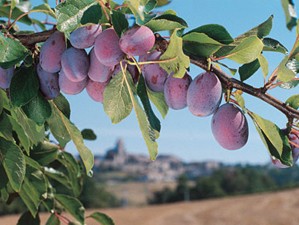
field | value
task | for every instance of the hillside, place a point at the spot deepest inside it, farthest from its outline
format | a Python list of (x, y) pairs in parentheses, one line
[(278, 208)]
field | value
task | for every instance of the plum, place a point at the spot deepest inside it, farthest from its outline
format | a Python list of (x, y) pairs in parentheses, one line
[(5, 77), (294, 145), (137, 41), (84, 37), (204, 94), (230, 127), (69, 87), (51, 52), (48, 83), (107, 49), (175, 91), (75, 64), (98, 71), (154, 75), (96, 90)]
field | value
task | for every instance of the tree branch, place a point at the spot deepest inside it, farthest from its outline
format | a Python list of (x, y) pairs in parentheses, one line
[(230, 82), (31, 39)]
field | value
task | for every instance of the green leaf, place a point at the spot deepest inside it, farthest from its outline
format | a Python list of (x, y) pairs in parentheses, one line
[(200, 44), (166, 22), (247, 70), (293, 101), (58, 176), (44, 8), (102, 218), (53, 220), (178, 62), (12, 52), (6, 127), (290, 13), (119, 21), (260, 31), (38, 109), (117, 102), (247, 51), (163, 2), (215, 32), (73, 173), (88, 134), (157, 98), (72, 205), (92, 15), (233, 71), (274, 139), (290, 84), (44, 153), (69, 14), (27, 218), (150, 5), (273, 45), (27, 126), (13, 161), (264, 65), (284, 73), (74, 133), (142, 93), (24, 86), (34, 189), (239, 98), (63, 105), (137, 8), (148, 132)]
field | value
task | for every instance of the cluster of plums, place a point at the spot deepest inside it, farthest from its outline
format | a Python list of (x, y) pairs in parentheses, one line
[(71, 70)]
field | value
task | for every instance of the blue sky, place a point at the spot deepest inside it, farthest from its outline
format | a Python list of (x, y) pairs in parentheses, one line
[(183, 134)]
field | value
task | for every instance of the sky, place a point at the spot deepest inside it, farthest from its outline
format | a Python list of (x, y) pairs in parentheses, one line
[(183, 134)]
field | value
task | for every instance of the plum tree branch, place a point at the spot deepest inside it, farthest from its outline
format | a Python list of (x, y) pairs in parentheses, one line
[(230, 82), (227, 81)]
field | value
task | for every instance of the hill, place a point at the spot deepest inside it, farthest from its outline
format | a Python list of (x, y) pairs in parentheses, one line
[(277, 208)]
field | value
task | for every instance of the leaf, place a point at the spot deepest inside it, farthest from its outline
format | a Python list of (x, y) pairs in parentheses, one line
[(142, 93), (290, 13), (200, 44), (24, 86), (34, 188), (117, 102), (284, 73), (92, 15), (247, 70), (290, 84), (16, 12), (148, 132), (38, 109), (274, 139), (73, 171), (27, 218), (247, 51), (239, 98), (264, 65), (150, 5), (273, 45), (260, 31), (58, 176), (69, 14), (13, 161), (119, 21), (233, 71), (166, 22), (215, 32), (72, 205), (293, 101), (44, 8), (44, 153), (63, 105), (163, 2), (102, 218), (74, 133), (5, 127), (53, 220), (178, 62), (28, 127), (157, 98), (12, 52), (88, 134), (137, 8)]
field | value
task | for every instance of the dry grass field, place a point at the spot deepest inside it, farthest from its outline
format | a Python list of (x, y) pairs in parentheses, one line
[(278, 208)]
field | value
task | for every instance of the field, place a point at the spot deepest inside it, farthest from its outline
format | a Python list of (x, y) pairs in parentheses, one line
[(277, 208)]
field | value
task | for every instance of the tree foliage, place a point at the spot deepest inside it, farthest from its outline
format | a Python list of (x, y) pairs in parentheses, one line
[(34, 130)]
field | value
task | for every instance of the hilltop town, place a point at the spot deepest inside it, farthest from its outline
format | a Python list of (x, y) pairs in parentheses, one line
[(137, 167)]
